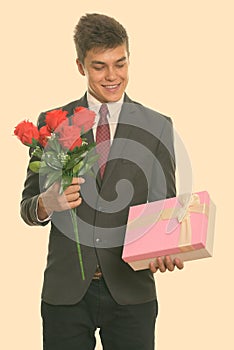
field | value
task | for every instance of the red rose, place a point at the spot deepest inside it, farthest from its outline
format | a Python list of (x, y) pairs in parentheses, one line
[(69, 136), (44, 133), (26, 132), (54, 118), (79, 109), (77, 143), (83, 118)]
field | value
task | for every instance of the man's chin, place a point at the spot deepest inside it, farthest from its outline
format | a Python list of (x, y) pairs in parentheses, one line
[(111, 97)]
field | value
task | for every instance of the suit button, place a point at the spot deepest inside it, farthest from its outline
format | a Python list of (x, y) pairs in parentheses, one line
[(101, 209), (98, 240)]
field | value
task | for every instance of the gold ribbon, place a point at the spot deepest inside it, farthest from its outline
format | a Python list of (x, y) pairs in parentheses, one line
[(194, 206), (190, 204)]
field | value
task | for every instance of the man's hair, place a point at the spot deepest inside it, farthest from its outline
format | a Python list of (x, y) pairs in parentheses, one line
[(98, 31)]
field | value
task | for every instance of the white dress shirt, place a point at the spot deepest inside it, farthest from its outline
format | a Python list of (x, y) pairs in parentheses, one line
[(114, 109)]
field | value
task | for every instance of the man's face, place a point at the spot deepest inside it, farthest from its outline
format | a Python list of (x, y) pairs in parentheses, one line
[(106, 71)]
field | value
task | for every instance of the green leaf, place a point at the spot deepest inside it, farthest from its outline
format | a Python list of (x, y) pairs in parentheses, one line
[(51, 159), (34, 143), (85, 169), (54, 145), (79, 151), (66, 181), (77, 167), (90, 146), (72, 162), (44, 169), (52, 177), (37, 152), (35, 166), (93, 159)]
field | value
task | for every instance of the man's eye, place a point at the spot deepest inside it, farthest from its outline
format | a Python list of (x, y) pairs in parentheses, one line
[(120, 65), (98, 68)]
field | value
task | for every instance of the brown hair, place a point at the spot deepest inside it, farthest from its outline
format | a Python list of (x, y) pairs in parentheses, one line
[(98, 31)]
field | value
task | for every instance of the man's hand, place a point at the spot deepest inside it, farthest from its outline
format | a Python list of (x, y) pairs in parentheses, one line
[(166, 264), (50, 200)]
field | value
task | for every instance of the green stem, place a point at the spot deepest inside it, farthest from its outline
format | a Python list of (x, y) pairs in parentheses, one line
[(75, 227)]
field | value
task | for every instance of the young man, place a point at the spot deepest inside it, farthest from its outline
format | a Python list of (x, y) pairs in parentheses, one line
[(140, 168)]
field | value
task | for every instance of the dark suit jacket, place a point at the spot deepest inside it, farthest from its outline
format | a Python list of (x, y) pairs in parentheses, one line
[(141, 168)]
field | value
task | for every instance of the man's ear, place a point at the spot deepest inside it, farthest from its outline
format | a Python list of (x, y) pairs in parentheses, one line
[(80, 67)]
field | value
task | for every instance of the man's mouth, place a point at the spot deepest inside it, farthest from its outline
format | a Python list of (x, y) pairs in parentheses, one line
[(112, 87)]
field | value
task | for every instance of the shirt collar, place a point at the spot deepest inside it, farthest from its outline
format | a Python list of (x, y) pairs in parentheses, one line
[(113, 107)]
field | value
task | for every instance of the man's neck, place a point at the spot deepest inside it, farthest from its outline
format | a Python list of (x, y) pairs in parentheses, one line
[(94, 100)]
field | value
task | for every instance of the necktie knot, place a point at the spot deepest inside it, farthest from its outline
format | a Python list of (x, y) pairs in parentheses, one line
[(103, 112), (103, 138)]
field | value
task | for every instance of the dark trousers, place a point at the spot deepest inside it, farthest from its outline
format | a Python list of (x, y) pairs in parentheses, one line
[(122, 327)]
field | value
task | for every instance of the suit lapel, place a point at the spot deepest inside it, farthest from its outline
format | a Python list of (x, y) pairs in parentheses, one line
[(80, 103)]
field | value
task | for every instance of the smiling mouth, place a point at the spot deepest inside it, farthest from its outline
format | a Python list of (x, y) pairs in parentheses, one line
[(111, 87)]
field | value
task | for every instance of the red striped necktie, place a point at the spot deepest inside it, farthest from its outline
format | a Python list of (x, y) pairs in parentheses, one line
[(103, 138)]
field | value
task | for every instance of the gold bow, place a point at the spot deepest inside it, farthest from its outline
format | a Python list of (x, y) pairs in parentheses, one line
[(194, 206)]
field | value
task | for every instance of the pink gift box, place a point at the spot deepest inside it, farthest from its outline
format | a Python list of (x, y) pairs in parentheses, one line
[(181, 227)]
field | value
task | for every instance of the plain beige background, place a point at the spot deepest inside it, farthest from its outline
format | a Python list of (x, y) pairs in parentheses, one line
[(181, 65)]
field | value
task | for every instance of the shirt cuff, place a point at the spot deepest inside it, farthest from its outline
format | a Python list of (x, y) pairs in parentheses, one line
[(46, 219)]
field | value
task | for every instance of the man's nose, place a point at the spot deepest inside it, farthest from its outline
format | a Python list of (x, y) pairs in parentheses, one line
[(111, 74)]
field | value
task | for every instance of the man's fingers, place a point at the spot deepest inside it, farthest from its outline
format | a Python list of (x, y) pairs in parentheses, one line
[(75, 185), (77, 181), (178, 263), (75, 204), (161, 265), (152, 267), (69, 199), (73, 197), (169, 263), (166, 263), (72, 189)]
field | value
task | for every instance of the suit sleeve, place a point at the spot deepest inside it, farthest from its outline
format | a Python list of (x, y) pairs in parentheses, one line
[(31, 192), (163, 182)]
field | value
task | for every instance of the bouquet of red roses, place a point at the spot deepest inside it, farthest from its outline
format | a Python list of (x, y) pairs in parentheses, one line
[(61, 150)]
